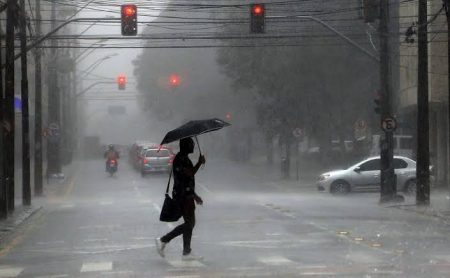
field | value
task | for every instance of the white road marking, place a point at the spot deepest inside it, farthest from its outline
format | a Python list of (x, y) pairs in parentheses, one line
[(128, 273), (180, 263), (101, 266), (106, 203), (95, 239), (317, 273), (183, 276), (9, 271), (275, 260)]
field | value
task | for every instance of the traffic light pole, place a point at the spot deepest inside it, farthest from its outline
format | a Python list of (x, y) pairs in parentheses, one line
[(38, 180), (332, 29), (9, 119), (26, 181), (54, 108), (388, 182), (423, 152)]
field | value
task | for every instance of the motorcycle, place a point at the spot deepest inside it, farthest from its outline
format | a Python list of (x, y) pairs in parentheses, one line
[(111, 166)]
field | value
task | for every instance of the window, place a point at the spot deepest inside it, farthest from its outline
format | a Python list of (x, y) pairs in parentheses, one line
[(400, 163), (155, 153), (371, 165)]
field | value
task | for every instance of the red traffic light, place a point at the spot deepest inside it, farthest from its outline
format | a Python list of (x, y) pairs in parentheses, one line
[(129, 10), (121, 82), (129, 19), (258, 9), (257, 18), (174, 80)]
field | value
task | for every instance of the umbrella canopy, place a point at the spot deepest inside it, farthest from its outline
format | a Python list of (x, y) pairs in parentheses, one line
[(193, 128)]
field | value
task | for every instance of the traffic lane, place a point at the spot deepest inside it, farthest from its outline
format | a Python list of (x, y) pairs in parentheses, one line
[(78, 238), (238, 233)]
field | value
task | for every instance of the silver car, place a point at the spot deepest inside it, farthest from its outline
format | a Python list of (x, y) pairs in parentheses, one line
[(365, 176)]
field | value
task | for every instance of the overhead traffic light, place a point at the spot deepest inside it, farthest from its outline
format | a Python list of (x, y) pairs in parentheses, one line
[(257, 18), (129, 19), (121, 82), (174, 80)]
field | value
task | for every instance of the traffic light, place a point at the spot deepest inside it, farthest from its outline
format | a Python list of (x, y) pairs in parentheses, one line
[(121, 81), (174, 80), (228, 116), (257, 18), (129, 20)]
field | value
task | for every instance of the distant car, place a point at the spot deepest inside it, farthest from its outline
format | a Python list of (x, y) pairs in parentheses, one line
[(365, 176), (155, 160)]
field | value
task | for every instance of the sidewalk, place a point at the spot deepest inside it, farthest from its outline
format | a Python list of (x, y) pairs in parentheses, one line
[(21, 213), (439, 205)]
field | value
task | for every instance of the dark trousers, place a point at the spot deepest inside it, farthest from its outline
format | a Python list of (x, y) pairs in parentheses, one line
[(188, 213)]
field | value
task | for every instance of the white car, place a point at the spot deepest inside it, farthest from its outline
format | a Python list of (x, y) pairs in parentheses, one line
[(365, 176)]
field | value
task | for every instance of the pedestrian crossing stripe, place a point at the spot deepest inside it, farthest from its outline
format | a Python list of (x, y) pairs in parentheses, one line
[(100, 266), (187, 264), (275, 260)]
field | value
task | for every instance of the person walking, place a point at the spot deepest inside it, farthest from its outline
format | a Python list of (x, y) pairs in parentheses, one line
[(184, 193)]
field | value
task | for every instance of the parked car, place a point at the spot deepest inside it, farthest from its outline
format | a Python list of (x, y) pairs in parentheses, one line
[(156, 160), (365, 176)]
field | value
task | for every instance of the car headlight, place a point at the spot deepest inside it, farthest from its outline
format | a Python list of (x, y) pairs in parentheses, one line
[(324, 177)]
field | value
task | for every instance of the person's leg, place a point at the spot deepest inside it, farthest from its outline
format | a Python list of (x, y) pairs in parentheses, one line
[(178, 230), (189, 223)]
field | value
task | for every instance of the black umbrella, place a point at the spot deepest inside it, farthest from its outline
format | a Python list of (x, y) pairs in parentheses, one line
[(192, 129)]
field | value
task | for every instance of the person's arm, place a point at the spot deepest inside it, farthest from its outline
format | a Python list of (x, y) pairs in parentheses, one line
[(192, 172)]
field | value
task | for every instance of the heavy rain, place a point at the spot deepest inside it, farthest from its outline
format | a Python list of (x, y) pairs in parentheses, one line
[(189, 138)]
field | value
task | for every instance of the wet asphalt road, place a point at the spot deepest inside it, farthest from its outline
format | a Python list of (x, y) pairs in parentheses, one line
[(249, 226)]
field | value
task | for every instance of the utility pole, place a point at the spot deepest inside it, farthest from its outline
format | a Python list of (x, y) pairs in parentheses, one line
[(38, 188), (9, 101), (26, 184), (447, 13), (423, 152), (54, 109), (388, 180), (3, 184)]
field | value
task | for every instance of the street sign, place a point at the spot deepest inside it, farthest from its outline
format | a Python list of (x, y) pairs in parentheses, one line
[(388, 124)]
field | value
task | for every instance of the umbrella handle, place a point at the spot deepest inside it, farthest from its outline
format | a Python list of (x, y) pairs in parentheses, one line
[(198, 145)]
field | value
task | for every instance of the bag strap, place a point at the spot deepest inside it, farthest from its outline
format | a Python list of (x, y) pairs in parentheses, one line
[(168, 183)]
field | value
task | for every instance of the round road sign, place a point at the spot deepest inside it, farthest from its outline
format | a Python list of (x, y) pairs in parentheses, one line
[(388, 124)]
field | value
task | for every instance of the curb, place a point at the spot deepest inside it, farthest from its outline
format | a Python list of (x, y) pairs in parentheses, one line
[(14, 221), (424, 211)]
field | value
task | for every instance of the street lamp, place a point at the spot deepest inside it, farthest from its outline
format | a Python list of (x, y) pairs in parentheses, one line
[(96, 63)]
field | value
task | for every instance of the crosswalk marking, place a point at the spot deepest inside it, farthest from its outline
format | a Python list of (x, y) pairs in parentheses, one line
[(179, 263), (101, 266), (9, 271), (275, 260)]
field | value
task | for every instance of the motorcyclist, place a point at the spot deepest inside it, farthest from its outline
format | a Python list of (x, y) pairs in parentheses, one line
[(111, 154)]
